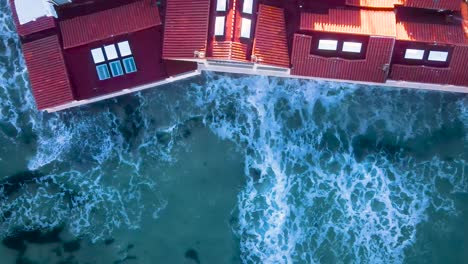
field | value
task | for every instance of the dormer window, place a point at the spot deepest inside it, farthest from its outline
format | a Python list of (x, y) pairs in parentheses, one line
[(113, 60), (327, 44), (441, 56), (353, 47), (414, 54), (221, 5), (219, 26), (246, 25), (247, 6)]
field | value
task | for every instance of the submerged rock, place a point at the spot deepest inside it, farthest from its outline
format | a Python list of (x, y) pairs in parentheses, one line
[(193, 255), (12, 184), (72, 246)]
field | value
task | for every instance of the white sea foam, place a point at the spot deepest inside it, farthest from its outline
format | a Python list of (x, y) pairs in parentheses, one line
[(312, 199)]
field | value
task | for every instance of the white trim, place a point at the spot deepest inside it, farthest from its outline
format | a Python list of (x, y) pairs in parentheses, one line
[(111, 52), (438, 56), (353, 47), (414, 54), (98, 56), (124, 48), (123, 92), (221, 5), (327, 44), (219, 26), (246, 26), (247, 6)]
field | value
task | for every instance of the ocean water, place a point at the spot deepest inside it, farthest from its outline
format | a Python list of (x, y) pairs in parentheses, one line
[(232, 169)]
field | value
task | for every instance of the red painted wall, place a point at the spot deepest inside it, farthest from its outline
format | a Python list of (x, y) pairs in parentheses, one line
[(146, 48)]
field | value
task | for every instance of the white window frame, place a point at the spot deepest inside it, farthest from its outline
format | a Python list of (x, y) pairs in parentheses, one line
[(246, 27), (111, 52), (124, 49), (352, 47), (247, 6), (439, 56), (328, 44), (221, 5), (220, 25), (98, 55), (414, 54)]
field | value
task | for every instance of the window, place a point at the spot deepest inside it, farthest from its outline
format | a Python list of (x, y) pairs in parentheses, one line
[(325, 44), (129, 65), (247, 6), (103, 72), (414, 54), (111, 52), (354, 47), (246, 24), (219, 26), (116, 68), (98, 56), (438, 56), (124, 49), (111, 60), (221, 5)]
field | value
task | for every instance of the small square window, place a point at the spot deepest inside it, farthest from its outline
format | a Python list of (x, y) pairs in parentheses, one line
[(103, 72), (98, 56), (116, 68), (326, 44), (414, 54), (129, 65), (221, 5), (124, 49), (247, 6), (438, 56), (219, 26), (245, 27), (354, 47), (111, 52)]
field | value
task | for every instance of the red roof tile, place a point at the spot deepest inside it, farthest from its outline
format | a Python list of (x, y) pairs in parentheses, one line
[(47, 72), (433, 33), (228, 50), (270, 44), (455, 74), (186, 28), (372, 3), (371, 69), (433, 4), (40, 24), (351, 21), (100, 25)]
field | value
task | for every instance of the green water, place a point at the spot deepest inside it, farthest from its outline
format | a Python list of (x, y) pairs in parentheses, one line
[(233, 169)]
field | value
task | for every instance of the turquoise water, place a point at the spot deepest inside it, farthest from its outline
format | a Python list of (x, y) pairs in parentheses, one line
[(233, 169)]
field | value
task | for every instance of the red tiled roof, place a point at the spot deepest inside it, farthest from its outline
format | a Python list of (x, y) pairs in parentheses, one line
[(100, 25), (351, 21), (372, 3), (455, 74), (433, 33), (270, 44), (433, 4), (186, 28), (370, 69), (40, 24), (228, 50), (47, 72), (464, 12)]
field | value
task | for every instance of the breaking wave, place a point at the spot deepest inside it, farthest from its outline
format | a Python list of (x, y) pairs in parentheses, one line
[(336, 172)]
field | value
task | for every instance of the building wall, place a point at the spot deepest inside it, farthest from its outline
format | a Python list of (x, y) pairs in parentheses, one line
[(455, 74), (374, 68), (146, 47)]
